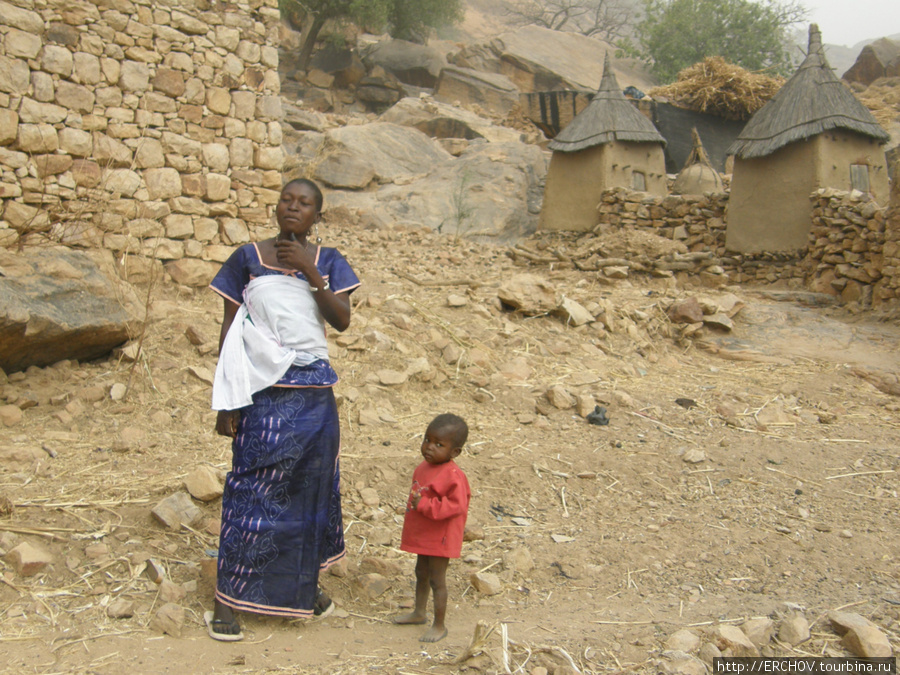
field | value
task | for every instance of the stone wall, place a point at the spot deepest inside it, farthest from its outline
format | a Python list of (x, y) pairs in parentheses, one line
[(147, 127), (846, 247), (851, 252)]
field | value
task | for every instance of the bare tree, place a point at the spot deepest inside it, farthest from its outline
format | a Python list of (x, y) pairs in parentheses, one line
[(607, 19)]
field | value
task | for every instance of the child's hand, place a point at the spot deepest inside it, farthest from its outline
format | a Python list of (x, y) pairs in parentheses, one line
[(415, 500), (227, 422)]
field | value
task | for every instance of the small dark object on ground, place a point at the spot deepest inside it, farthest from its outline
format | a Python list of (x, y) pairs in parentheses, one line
[(634, 92), (598, 417), (686, 403)]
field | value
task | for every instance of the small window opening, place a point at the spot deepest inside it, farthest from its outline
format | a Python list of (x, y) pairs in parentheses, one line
[(859, 177), (639, 181)]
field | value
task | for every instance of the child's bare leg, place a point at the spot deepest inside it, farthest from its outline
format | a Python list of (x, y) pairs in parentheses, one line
[(438, 582), (422, 587)]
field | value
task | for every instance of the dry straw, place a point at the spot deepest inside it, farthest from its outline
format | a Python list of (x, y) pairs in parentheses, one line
[(720, 88)]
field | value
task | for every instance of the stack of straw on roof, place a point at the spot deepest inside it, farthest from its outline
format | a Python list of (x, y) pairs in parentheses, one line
[(717, 87)]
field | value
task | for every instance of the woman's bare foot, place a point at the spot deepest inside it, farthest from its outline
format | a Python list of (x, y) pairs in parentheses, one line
[(434, 634), (224, 621), (411, 618)]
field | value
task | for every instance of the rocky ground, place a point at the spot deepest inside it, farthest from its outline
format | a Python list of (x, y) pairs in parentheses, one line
[(744, 479)]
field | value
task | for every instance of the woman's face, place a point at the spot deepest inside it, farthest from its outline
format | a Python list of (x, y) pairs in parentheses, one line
[(296, 212)]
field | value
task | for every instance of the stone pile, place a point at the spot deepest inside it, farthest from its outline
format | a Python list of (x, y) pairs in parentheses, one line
[(150, 130), (846, 254)]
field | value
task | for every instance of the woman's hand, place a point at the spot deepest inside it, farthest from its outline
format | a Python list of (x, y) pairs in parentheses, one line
[(227, 422), (296, 256)]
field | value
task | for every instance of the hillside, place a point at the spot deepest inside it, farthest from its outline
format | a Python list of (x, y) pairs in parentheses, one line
[(742, 475)]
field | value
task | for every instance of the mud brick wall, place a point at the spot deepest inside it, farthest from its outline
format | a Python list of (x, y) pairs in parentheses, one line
[(145, 127)]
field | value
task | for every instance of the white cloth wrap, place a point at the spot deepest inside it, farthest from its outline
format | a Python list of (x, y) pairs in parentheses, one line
[(278, 324)]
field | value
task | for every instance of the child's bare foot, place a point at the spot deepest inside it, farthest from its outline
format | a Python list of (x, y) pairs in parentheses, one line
[(434, 634), (411, 618)]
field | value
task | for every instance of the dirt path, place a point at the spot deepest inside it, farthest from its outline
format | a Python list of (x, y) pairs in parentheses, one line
[(778, 484)]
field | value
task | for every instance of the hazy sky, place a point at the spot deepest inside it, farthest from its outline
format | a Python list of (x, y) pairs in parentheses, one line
[(846, 22)]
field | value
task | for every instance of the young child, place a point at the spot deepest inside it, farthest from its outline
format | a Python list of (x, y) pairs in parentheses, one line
[(435, 518)]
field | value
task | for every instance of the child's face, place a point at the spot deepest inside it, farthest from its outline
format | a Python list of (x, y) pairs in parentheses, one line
[(438, 446)]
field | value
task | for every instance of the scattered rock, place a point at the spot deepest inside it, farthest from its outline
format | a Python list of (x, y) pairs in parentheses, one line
[(683, 640), (486, 583), (169, 591), (559, 398), (794, 629), (10, 415), (683, 664), (120, 608), (759, 631), (387, 567), (369, 497), (205, 375), (529, 294), (519, 560), (28, 559), (733, 638), (860, 636), (175, 510), (169, 619), (391, 378), (204, 483), (686, 311), (694, 456), (117, 391), (372, 585)]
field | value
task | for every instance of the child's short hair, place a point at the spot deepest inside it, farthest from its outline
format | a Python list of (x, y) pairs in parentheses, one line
[(455, 424)]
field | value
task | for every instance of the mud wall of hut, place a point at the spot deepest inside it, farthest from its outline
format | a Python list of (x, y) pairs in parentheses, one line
[(149, 128), (853, 250)]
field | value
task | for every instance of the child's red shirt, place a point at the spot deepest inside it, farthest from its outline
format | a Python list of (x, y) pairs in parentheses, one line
[(435, 527)]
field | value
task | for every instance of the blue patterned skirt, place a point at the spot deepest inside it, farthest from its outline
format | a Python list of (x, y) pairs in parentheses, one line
[(281, 509)]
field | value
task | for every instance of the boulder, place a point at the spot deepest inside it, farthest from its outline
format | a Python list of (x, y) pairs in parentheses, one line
[(344, 65), (492, 190), (464, 86), (528, 293), (877, 59), (392, 152), (58, 304), (540, 59), (860, 636), (440, 120), (411, 63), (378, 90)]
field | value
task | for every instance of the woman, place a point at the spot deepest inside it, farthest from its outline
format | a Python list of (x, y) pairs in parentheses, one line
[(281, 510)]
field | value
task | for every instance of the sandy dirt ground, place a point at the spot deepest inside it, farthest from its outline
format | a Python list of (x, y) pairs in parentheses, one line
[(768, 490)]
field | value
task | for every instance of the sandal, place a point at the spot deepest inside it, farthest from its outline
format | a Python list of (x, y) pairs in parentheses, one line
[(221, 637), (323, 606)]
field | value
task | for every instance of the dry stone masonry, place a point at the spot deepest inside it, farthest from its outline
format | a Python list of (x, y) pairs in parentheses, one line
[(853, 250), (147, 128)]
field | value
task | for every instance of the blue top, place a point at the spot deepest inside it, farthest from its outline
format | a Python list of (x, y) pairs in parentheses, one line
[(246, 264)]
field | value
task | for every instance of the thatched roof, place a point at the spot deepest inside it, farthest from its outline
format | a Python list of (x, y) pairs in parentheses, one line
[(812, 102), (609, 117), (716, 87)]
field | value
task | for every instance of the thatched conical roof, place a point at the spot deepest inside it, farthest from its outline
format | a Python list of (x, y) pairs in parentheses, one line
[(608, 117), (813, 101)]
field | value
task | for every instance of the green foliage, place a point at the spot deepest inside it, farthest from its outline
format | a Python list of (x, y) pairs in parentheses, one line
[(411, 19), (406, 19), (676, 34)]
